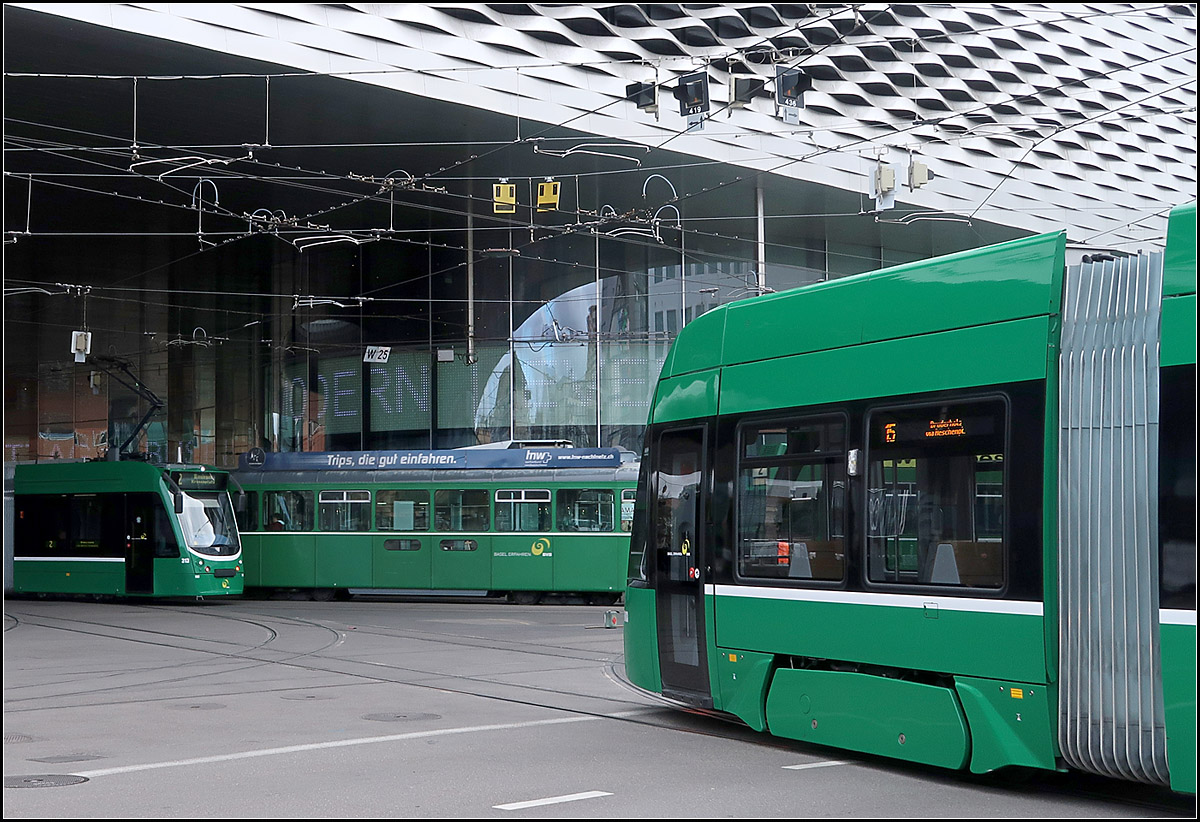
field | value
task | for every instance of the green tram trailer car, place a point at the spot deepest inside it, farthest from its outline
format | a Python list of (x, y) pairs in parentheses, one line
[(124, 529), (942, 512), (518, 522)]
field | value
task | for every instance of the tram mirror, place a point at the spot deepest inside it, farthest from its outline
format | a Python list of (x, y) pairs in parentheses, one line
[(178, 501), (240, 504)]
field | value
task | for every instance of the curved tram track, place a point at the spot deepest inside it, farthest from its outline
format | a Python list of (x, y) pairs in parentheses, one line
[(221, 643)]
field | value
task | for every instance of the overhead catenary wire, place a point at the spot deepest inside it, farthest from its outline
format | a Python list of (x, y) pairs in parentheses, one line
[(686, 195)]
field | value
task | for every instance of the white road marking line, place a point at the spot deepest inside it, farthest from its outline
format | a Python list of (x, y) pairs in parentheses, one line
[(553, 800), (826, 764), (341, 743)]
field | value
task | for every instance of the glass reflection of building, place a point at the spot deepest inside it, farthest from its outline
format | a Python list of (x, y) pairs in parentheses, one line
[(562, 344)]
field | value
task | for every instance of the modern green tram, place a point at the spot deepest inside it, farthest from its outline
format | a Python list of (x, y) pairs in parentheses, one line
[(124, 529), (942, 512), (519, 523)]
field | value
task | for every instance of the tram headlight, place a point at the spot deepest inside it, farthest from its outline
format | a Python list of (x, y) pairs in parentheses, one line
[(207, 569)]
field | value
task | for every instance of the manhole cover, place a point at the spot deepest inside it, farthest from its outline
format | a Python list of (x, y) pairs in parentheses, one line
[(197, 706), (399, 717), (302, 697), (43, 780), (59, 760), (9, 739)]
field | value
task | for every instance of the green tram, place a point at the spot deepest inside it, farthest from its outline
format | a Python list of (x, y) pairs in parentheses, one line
[(942, 512), (124, 528), (518, 522)]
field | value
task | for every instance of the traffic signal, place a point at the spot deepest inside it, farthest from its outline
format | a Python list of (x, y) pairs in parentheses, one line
[(504, 198), (790, 85), (643, 95), (547, 196), (746, 89), (692, 93)]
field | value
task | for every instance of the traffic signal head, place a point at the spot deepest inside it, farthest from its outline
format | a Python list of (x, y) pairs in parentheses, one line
[(643, 95), (746, 89), (790, 85), (692, 93)]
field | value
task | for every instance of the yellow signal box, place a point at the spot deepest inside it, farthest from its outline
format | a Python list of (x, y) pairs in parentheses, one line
[(504, 198), (547, 196)]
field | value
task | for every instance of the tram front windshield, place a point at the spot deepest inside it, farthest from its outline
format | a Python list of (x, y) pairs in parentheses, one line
[(208, 524)]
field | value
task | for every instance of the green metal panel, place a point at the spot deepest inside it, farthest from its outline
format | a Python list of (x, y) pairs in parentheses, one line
[(181, 577), (86, 477), (1177, 345), (467, 570), (343, 560), (1179, 261), (68, 577), (209, 585), (525, 562), (590, 563), (698, 345), (1011, 723), (252, 558), (641, 640), (1013, 280), (289, 560), (984, 355), (1178, 643), (402, 569), (768, 327), (926, 633), (875, 715), (742, 679), (686, 398)]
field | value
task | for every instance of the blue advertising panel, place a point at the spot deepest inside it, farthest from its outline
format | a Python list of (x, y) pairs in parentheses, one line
[(460, 459)]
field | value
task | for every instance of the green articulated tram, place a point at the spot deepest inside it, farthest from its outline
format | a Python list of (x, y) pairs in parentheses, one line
[(942, 512), (124, 529), (519, 522)]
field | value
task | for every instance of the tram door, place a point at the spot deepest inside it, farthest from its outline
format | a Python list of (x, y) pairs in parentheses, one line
[(679, 563), (140, 533)]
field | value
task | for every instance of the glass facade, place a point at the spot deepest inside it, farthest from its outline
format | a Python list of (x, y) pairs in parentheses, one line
[(562, 341)]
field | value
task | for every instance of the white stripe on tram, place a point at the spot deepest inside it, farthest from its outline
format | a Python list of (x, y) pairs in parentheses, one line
[(68, 559), (1172, 616), (989, 606)]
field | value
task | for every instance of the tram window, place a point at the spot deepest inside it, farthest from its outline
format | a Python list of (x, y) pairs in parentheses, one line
[(78, 525), (247, 519), (345, 510), (791, 500), (639, 533), (459, 545), (402, 545), (461, 510), (1177, 488), (402, 510), (86, 525), (149, 526), (585, 509), (38, 529), (523, 510), (936, 494), (628, 498), (288, 510)]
